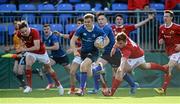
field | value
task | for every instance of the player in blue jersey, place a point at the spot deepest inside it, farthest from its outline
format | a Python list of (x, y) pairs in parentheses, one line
[(89, 53), (57, 54), (106, 58)]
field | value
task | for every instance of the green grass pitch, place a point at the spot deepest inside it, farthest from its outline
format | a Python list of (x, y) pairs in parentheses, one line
[(122, 96)]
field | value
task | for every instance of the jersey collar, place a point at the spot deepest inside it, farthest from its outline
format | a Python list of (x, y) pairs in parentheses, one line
[(89, 30), (169, 25)]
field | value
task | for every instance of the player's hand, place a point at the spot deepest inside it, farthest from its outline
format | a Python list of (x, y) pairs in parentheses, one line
[(151, 15), (177, 47), (69, 51), (21, 49), (161, 41), (76, 53), (113, 50), (7, 49), (57, 33)]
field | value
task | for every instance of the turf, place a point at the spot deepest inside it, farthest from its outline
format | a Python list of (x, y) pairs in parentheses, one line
[(39, 96)]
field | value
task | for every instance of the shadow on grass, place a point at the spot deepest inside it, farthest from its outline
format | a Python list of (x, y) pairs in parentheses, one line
[(39, 93)]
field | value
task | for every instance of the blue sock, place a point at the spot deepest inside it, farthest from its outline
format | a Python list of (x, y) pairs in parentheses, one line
[(78, 76), (48, 76), (96, 77), (129, 79), (83, 78)]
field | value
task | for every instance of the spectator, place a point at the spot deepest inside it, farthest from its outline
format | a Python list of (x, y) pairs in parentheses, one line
[(137, 4), (172, 4), (105, 4)]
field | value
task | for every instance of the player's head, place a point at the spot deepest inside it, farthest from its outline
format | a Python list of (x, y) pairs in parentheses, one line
[(89, 20), (146, 7), (80, 21), (168, 16), (46, 29), (16, 25), (24, 28), (101, 18), (119, 19), (121, 39)]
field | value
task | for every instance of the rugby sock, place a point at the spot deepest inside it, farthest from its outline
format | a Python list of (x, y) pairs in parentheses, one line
[(21, 80), (115, 85), (83, 78), (48, 76), (72, 88), (54, 77), (96, 77), (128, 79), (29, 77), (104, 85), (167, 79), (78, 76), (155, 66), (113, 78)]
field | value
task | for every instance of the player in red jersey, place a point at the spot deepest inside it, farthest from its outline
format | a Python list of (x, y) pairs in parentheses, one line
[(169, 34), (120, 27), (34, 50), (132, 57), (77, 59)]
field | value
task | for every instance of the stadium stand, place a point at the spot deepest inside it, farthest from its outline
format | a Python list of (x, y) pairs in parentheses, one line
[(82, 7), (70, 27)]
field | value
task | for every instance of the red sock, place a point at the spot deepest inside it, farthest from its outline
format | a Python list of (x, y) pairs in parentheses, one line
[(29, 77), (72, 88), (115, 85), (155, 66), (104, 85), (167, 79), (53, 75), (113, 78)]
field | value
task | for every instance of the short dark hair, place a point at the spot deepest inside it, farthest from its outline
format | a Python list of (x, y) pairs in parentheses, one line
[(23, 24), (121, 36), (100, 14), (80, 19), (46, 25), (119, 15)]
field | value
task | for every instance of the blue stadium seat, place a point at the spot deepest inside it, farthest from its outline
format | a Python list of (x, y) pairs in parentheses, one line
[(82, 7), (70, 27), (7, 7), (157, 6), (3, 30), (63, 18), (30, 18), (74, 1), (57, 27), (27, 7), (65, 7), (119, 6), (39, 27), (98, 7), (11, 29), (46, 18), (46, 7)]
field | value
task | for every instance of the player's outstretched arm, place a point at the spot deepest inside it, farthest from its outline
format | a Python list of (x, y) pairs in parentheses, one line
[(150, 16), (73, 45)]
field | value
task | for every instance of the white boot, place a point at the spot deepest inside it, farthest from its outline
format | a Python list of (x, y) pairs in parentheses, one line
[(28, 89)]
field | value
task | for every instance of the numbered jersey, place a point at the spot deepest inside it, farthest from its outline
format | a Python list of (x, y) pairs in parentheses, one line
[(131, 50)]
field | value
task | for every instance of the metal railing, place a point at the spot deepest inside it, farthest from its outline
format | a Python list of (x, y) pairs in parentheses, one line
[(146, 36)]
